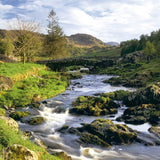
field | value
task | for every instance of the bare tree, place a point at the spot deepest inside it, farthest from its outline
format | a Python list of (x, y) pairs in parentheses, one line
[(26, 38)]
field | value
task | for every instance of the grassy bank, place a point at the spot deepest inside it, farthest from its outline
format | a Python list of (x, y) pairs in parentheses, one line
[(8, 137), (31, 83)]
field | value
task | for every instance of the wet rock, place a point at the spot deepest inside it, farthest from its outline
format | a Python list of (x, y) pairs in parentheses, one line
[(105, 133), (10, 122), (155, 131), (63, 129), (88, 138), (19, 152), (141, 114), (36, 120), (94, 106), (149, 95), (18, 115), (74, 130), (62, 155)]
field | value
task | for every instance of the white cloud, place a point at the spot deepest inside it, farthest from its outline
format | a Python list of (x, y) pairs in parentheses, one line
[(115, 20)]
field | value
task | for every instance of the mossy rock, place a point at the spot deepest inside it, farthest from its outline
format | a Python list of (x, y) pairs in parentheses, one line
[(62, 156), (141, 114), (109, 132), (19, 152), (94, 106), (36, 120), (10, 122), (89, 138), (117, 95), (63, 128), (2, 112), (155, 131), (5, 83), (18, 115), (148, 95)]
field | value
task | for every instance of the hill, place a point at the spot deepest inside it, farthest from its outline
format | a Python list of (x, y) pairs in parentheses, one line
[(84, 40), (113, 43)]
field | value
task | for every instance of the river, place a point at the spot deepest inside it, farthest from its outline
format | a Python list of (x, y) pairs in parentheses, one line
[(56, 114)]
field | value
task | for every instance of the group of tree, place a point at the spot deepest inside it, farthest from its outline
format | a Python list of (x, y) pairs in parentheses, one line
[(24, 41), (150, 44)]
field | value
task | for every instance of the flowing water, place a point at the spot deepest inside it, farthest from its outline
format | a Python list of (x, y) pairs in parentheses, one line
[(56, 114)]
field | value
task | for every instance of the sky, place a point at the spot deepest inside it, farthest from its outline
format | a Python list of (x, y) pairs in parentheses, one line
[(108, 20)]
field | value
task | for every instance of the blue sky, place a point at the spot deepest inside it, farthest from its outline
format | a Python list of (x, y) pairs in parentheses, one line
[(108, 20)]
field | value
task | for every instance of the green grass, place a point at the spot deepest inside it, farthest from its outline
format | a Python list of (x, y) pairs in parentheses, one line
[(12, 69), (44, 84), (8, 137), (144, 71), (112, 53)]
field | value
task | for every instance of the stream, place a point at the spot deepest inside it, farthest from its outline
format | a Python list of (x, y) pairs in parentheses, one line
[(56, 114)]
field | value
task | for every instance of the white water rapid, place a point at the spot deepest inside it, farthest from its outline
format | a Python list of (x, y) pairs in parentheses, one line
[(56, 115)]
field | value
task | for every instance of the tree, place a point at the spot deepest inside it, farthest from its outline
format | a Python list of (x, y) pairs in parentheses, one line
[(55, 42), (26, 39), (6, 47), (149, 50)]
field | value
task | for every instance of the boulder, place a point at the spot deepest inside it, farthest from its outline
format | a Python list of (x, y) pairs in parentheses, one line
[(141, 114), (18, 115), (62, 155), (94, 106), (5, 83), (155, 131), (10, 122), (36, 120), (19, 152), (148, 95), (105, 133)]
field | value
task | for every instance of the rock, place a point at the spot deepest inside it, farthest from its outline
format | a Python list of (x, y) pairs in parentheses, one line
[(148, 95), (18, 115), (141, 114), (89, 138), (36, 120), (62, 156), (36, 98), (5, 83), (10, 122), (2, 112), (63, 129), (103, 132), (94, 106), (19, 152), (155, 131), (73, 130)]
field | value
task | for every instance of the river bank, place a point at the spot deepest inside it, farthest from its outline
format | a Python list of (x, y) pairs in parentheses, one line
[(21, 85), (56, 115)]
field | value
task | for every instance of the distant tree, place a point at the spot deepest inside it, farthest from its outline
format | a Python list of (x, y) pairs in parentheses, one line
[(129, 46), (55, 42), (26, 39), (6, 46), (149, 50)]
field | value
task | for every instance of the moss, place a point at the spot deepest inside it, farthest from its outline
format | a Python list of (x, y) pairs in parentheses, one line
[(36, 120), (2, 112), (89, 138), (18, 115), (95, 106), (107, 132), (141, 114)]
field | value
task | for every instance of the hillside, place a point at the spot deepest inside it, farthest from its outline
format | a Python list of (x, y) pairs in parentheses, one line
[(84, 40)]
